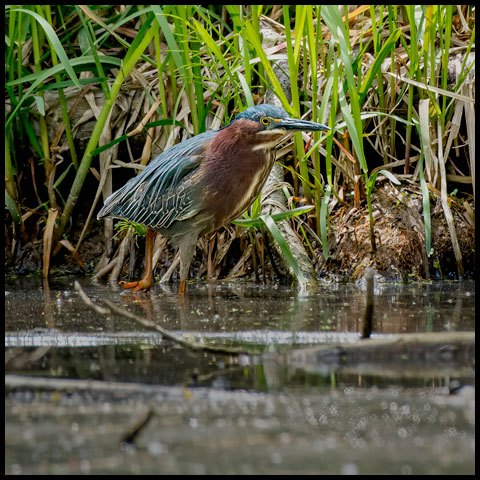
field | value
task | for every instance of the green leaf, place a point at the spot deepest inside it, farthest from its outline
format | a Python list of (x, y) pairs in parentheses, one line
[(356, 137), (252, 36), (324, 220), (277, 217), (377, 64), (373, 178), (207, 38), (169, 37), (69, 83), (351, 115), (165, 121), (390, 176), (277, 235), (55, 43), (40, 104), (246, 89), (40, 77), (98, 150), (12, 208)]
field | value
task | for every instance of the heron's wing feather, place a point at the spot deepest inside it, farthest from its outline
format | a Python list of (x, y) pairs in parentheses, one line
[(165, 190)]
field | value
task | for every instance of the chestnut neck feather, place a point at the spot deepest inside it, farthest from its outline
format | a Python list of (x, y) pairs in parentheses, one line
[(233, 172)]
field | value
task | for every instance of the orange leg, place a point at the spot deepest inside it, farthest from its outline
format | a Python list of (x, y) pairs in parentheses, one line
[(182, 289), (187, 250), (147, 281)]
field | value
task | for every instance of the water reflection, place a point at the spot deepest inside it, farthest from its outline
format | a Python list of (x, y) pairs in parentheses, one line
[(236, 306), (83, 343)]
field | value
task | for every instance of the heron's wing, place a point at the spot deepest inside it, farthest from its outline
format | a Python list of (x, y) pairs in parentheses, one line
[(165, 191)]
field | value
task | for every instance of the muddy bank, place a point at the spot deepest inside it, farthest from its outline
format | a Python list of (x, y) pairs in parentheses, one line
[(400, 239)]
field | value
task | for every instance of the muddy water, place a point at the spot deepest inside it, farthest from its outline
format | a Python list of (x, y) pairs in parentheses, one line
[(221, 414)]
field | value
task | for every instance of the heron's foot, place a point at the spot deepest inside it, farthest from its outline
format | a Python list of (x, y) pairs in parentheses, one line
[(142, 285)]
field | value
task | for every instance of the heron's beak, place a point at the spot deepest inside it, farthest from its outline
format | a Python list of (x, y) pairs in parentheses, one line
[(294, 125)]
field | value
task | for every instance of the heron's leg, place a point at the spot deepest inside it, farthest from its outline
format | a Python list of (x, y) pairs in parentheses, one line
[(187, 251), (147, 281), (182, 289)]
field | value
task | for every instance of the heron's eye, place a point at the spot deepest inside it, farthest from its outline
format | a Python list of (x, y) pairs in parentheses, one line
[(265, 121)]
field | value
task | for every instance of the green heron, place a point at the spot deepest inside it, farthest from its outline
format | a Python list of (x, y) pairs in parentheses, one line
[(205, 182)]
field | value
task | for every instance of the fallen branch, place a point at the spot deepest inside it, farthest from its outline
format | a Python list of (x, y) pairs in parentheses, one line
[(69, 384), (402, 351), (149, 325), (87, 300)]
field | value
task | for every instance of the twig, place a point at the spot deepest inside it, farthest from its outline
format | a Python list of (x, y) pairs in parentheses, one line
[(107, 268), (122, 251), (164, 332), (175, 338), (142, 422), (368, 316), (171, 268), (20, 359), (84, 297), (69, 384)]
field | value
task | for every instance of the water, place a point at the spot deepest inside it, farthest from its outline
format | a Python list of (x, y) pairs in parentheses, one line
[(246, 414)]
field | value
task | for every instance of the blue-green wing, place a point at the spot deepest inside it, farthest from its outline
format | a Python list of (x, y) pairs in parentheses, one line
[(165, 191)]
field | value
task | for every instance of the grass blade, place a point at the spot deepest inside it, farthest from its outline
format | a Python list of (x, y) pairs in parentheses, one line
[(56, 44), (324, 220), (277, 235), (277, 217)]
